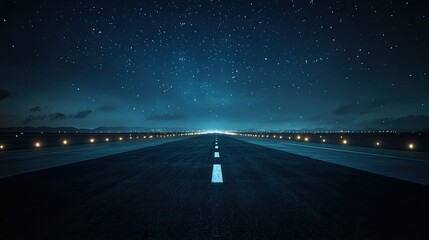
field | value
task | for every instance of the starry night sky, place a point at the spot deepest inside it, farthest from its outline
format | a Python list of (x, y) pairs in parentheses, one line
[(215, 64)]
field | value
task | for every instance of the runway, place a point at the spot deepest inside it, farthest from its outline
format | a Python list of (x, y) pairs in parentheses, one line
[(184, 190)]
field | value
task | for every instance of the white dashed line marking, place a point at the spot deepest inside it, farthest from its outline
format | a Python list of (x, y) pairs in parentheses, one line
[(216, 147), (216, 155), (217, 174)]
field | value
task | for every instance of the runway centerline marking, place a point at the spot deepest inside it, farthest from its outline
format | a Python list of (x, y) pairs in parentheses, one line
[(216, 147), (217, 174), (216, 155)]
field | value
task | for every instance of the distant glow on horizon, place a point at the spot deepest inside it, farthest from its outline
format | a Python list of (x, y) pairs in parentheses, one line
[(217, 132), (211, 131)]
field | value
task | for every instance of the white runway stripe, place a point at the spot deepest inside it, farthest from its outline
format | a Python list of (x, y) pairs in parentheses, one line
[(216, 155), (216, 147), (217, 174)]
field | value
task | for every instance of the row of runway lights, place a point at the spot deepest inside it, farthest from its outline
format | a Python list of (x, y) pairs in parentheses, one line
[(410, 146), (38, 144)]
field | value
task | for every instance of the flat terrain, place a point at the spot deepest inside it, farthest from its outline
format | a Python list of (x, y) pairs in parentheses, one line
[(406, 165), (166, 192), (28, 160)]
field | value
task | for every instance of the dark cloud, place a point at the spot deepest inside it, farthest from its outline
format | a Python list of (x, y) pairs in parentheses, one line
[(36, 109), (5, 94), (166, 117), (359, 108), (50, 117), (411, 122), (106, 108), (58, 116), (81, 114)]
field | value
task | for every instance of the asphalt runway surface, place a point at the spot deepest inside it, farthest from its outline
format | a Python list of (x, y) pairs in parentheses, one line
[(184, 190)]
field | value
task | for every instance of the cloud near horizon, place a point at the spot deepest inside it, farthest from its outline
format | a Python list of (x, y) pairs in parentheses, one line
[(58, 116), (411, 122), (359, 108), (81, 114)]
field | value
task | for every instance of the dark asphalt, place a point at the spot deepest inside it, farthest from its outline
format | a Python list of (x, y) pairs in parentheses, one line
[(165, 192)]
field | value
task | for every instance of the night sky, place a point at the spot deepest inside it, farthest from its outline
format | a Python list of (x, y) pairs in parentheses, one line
[(215, 64)]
